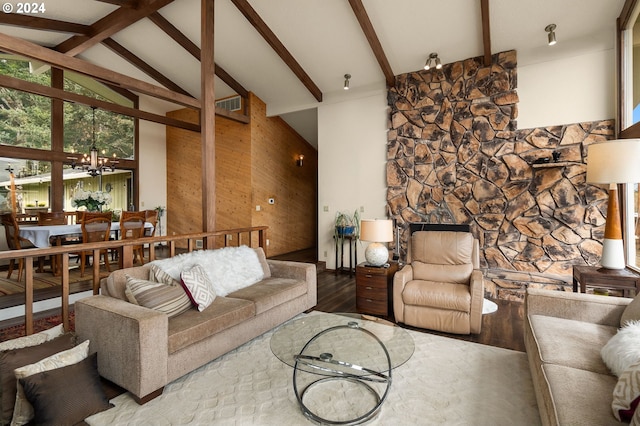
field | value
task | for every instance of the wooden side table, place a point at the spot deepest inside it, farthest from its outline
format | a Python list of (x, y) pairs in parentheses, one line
[(593, 276), (374, 289)]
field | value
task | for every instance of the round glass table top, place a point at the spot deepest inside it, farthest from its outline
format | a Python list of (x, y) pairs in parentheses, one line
[(356, 348)]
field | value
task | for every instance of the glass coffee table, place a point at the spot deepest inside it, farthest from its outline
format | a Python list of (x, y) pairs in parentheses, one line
[(342, 363)]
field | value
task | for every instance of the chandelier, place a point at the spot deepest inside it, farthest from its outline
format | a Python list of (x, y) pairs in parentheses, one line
[(93, 163)]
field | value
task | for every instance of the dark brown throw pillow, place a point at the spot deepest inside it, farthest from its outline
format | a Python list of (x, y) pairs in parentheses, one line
[(12, 359), (52, 401)]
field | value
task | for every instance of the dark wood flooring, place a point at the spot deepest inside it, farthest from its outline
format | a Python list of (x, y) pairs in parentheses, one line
[(337, 293)]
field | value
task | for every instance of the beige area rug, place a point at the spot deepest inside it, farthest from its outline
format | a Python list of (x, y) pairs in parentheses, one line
[(446, 382)]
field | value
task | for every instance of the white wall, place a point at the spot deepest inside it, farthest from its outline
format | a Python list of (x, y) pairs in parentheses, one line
[(566, 91), (352, 137), (153, 164)]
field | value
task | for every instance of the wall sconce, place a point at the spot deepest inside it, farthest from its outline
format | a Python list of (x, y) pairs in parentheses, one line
[(433, 60), (346, 81), (300, 160), (551, 28)]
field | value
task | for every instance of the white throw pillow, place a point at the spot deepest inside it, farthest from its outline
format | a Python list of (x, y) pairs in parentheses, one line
[(623, 349), (198, 288), (33, 339), (23, 410)]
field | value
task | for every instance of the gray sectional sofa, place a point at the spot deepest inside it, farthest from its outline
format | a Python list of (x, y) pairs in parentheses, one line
[(564, 334), (142, 350)]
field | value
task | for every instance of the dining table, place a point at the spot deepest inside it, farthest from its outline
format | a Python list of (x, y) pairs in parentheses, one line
[(42, 236)]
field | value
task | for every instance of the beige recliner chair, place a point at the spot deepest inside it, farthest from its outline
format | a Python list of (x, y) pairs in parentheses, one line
[(441, 287)]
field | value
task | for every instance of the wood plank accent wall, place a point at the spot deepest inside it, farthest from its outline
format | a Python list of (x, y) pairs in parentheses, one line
[(254, 162), (275, 146)]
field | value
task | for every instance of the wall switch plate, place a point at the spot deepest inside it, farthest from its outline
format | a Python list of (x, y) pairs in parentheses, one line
[(325, 208), (258, 208)]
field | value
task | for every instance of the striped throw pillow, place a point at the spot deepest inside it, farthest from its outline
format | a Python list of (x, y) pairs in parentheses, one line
[(170, 299)]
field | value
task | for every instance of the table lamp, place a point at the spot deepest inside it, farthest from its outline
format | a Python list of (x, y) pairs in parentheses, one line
[(376, 231), (611, 163)]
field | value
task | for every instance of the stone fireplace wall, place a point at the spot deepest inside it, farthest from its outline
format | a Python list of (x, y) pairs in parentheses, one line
[(455, 155)]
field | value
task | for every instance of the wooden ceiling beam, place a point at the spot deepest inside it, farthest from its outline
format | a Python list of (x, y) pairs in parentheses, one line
[(194, 50), (38, 23), (263, 29), (60, 60), (143, 66), (374, 42), (132, 4), (486, 31), (109, 25), (51, 92)]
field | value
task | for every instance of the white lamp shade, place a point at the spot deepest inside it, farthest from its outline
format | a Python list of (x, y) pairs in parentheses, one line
[(376, 230), (616, 161)]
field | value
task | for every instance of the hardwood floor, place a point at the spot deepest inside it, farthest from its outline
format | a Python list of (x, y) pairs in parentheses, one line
[(337, 293), (504, 328)]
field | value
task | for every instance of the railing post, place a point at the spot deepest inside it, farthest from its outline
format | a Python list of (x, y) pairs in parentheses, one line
[(28, 296), (65, 290)]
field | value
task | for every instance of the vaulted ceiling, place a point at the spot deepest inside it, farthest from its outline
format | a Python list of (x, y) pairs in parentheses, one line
[(293, 54)]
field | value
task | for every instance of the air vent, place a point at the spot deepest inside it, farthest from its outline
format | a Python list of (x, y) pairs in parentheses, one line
[(230, 104)]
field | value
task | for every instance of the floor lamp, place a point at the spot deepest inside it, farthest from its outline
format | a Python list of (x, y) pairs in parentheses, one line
[(613, 162)]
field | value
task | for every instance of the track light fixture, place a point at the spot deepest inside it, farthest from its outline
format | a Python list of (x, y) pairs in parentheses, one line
[(433, 60), (551, 28), (346, 81)]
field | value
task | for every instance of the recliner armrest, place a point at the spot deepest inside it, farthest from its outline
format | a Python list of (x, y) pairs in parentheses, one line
[(400, 280), (131, 342), (476, 288)]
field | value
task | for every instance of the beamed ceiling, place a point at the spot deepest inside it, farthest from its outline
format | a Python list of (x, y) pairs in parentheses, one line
[(293, 54)]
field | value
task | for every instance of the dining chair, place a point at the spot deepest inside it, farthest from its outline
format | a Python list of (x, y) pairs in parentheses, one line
[(14, 241), (132, 227), (53, 218), (95, 227), (151, 216)]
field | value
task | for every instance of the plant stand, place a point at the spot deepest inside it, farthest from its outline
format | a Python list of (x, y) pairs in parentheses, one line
[(352, 240)]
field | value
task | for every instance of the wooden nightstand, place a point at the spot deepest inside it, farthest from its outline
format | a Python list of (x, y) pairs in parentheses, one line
[(374, 289)]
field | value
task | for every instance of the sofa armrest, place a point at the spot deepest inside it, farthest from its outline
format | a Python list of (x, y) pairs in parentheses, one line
[(298, 271), (131, 342), (604, 310)]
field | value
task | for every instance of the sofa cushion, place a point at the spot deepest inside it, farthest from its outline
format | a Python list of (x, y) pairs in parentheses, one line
[(193, 326), (631, 312), (271, 292), (438, 295), (571, 343), (580, 397)]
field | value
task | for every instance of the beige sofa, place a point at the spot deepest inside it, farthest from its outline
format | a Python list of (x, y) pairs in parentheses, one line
[(142, 350), (564, 333)]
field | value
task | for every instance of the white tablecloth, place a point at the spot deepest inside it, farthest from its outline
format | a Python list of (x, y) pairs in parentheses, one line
[(41, 235)]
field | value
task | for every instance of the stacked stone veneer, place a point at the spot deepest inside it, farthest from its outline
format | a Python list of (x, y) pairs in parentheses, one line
[(455, 155)]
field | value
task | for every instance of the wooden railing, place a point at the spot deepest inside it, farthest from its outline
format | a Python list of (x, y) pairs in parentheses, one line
[(253, 237)]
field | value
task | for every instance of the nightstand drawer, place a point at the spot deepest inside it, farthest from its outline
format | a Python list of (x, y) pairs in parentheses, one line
[(371, 306), (370, 291), (377, 281)]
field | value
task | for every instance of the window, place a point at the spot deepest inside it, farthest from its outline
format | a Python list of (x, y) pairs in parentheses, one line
[(628, 115), (25, 119)]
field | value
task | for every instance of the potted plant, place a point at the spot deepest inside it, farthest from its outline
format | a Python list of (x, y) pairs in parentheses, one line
[(346, 225)]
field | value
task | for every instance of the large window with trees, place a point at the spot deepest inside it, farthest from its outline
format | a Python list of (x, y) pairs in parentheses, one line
[(40, 144)]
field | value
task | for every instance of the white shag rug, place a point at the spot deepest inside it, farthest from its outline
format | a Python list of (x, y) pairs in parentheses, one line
[(445, 382)]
